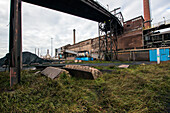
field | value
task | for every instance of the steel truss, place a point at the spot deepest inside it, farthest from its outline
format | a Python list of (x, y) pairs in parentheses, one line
[(108, 41)]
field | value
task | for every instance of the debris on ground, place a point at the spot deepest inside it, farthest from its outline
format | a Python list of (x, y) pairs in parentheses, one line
[(76, 61), (143, 64), (123, 66), (38, 72), (53, 72), (85, 72)]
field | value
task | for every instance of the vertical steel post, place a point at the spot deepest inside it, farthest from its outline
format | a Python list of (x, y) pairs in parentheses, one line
[(15, 42), (115, 42), (111, 43), (99, 41), (106, 45)]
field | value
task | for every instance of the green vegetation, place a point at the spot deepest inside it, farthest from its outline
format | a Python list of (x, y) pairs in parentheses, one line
[(136, 89)]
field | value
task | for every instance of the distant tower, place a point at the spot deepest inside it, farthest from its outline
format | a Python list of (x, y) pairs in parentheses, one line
[(38, 52), (51, 47), (48, 52), (147, 16), (35, 51), (74, 36)]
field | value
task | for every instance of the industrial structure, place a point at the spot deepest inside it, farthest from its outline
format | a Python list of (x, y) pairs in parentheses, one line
[(88, 9), (132, 43), (117, 40)]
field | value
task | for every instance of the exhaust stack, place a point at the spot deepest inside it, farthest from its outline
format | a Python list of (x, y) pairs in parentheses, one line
[(147, 16)]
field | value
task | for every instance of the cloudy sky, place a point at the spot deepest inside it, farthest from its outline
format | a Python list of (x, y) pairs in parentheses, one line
[(39, 24)]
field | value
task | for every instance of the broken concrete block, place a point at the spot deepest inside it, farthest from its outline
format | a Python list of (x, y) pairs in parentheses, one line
[(76, 61), (123, 66), (143, 64), (53, 72), (85, 72), (80, 61), (38, 72)]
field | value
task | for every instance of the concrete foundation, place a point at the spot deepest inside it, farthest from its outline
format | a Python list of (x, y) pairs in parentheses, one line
[(84, 72)]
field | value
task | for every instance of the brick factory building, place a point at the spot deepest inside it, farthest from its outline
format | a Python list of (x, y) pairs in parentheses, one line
[(134, 43), (132, 37), (131, 44)]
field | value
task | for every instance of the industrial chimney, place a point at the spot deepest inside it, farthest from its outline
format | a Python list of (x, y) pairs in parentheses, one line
[(147, 16), (48, 52), (74, 36)]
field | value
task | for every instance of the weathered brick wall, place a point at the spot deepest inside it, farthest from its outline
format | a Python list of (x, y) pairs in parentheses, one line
[(132, 39), (81, 46)]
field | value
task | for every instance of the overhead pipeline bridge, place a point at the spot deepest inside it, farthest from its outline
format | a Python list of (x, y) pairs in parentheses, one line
[(88, 9)]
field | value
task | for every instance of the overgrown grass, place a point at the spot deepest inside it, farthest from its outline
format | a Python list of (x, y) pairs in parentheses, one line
[(136, 89)]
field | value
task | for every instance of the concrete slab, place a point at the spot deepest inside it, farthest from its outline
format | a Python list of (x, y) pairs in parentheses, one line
[(85, 72), (53, 72), (123, 66)]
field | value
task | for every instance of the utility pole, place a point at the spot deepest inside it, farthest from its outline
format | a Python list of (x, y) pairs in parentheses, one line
[(51, 47), (164, 20)]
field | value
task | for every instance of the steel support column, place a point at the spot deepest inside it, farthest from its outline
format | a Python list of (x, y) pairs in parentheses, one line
[(111, 41), (106, 46), (15, 42), (99, 41), (108, 40)]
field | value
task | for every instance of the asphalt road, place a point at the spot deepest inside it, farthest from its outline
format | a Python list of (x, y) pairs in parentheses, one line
[(84, 64)]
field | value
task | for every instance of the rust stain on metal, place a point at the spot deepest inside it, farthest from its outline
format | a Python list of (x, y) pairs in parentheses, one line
[(13, 76)]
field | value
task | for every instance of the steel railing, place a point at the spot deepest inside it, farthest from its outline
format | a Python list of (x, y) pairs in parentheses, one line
[(160, 23)]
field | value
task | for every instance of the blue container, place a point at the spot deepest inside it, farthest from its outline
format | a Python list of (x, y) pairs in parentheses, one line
[(164, 55), (153, 55), (84, 58)]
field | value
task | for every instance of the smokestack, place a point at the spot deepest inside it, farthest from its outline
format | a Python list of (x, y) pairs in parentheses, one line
[(147, 16), (38, 52), (48, 52), (74, 36)]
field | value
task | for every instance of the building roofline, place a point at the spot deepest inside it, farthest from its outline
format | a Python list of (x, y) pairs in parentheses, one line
[(135, 18)]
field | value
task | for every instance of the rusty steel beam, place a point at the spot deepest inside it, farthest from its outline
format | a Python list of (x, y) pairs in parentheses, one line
[(15, 42)]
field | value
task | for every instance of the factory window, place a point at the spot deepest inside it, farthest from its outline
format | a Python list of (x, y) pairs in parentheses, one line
[(128, 25), (87, 43), (167, 36)]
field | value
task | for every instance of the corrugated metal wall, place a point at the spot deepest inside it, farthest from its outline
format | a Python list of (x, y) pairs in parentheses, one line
[(164, 55)]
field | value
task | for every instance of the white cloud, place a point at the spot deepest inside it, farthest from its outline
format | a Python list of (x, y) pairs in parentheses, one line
[(40, 24)]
